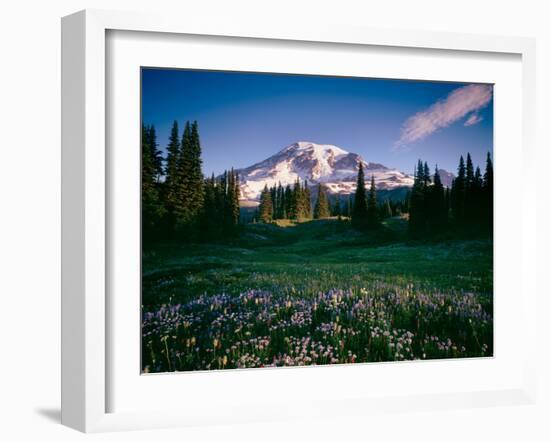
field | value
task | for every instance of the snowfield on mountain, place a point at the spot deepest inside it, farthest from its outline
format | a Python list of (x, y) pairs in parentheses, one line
[(331, 165)]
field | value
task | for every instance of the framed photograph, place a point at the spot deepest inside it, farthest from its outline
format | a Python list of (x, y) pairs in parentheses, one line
[(255, 213)]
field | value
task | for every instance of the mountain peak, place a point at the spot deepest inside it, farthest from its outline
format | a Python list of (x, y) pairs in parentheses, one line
[(315, 147), (317, 163)]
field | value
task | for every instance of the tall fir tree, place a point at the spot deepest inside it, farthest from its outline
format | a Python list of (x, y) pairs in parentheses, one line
[(280, 209), (274, 200), (196, 178), (438, 210), (477, 200), (426, 175), (211, 225), (221, 195), (297, 209), (359, 213), (322, 209), (487, 192), (469, 195), (306, 201), (231, 203), (447, 202), (147, 164), (155, 154), (266, 206), (458, 195), (372, 206), (417, 203), (190, 195), (171, 175), (288, 202), (236, 197), (182, 206), (469, 171), (152, 210)]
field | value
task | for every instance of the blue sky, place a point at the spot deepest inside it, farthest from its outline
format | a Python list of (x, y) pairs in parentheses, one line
[(246, 117)]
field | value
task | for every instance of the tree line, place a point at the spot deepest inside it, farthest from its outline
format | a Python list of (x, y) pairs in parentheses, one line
[(292, 202), (365, 212), (465, 207), (297, 202), (177, 201)]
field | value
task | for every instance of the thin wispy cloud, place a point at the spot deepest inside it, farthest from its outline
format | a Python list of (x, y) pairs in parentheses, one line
[(473, 119), (458, 104)]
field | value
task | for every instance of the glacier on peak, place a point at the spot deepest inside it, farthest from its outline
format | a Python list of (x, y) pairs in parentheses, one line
[(328, 164)]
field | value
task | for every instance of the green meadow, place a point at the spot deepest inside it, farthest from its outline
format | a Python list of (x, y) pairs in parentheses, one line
[(312, 256), (283, 293)]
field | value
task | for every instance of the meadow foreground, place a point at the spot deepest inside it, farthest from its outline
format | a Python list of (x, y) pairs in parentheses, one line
[(317, 292)]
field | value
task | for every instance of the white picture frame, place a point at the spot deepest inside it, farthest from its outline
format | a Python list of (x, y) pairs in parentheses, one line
[(86, 204)]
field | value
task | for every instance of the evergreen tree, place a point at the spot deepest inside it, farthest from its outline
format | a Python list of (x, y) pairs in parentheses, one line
[(196, 178), (266, 206), (289, 198), (222, 187), (306, 203), (469, 195), (297, 207), (359, 213), (458, 195), (211, 225), (322, 209), (155, 154), (236, 196), (372, 207), (469, 171), (487, 195), (182, 213), (273, 192), (477, 195), (171, 174), (426, 175), (280, 211), (447, 202), (438, 210), (417, 215), (190, 182), (488, 175), (147, 164), (231, 202), (152, 210)]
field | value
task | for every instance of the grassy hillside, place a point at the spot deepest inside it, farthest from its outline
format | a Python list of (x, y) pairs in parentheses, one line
[(295, 271), (313, 255)]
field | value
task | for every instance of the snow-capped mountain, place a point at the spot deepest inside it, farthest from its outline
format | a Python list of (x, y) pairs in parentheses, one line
[(316, 163)]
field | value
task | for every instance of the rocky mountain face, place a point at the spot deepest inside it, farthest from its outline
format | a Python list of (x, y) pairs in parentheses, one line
[(317, 163)]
